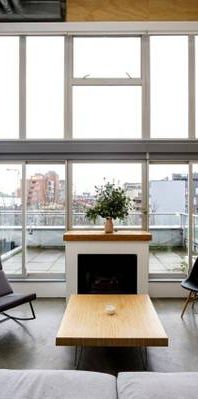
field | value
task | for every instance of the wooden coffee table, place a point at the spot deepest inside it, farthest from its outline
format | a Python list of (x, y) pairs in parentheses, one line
[(135, 322)]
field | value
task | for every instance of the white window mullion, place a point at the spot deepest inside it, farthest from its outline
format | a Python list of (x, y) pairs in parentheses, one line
[(24, 220), (190, 214), (191, 87), (145, 71), (106, 82), (69, 195), (191, 135), (22, 87), (145, 194), (68, 73)]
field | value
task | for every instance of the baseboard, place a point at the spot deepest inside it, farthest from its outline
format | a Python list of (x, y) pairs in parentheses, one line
[(166, 289), (43, 289), (57, 289)]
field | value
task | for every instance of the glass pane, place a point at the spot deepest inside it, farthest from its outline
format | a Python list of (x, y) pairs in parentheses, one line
[(107, 57), (11, 218), (88, 175), (169, 87), (195, 212), (45, 87), (106, 112), (9, 87), (45, 218), (168, 217)]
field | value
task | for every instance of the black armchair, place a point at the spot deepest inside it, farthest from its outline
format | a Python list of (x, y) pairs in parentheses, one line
[(9, 299), (191, 284)]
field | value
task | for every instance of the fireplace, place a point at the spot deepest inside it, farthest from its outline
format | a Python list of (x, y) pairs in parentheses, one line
[(107, 273), (119, 244)]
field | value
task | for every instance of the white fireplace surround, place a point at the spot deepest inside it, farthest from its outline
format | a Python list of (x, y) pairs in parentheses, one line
[(139, 248)]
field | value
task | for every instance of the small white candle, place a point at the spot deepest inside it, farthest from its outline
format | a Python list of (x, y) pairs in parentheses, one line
[(110, 309)]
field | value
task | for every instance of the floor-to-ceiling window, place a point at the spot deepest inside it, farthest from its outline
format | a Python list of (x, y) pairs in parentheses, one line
[(90, 109)]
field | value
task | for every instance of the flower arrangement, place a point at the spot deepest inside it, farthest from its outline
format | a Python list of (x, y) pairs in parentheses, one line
[(111, 203)]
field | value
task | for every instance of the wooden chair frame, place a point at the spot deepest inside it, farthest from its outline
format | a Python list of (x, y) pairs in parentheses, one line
[(191, 298)]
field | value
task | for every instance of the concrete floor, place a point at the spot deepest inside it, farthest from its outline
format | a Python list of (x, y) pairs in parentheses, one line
[(31, 344)]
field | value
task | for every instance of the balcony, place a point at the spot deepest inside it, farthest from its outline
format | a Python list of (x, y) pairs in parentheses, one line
[(45, 248)]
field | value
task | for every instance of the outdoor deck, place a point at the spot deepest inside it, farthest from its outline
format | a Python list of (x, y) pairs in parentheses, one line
[(47, 260)]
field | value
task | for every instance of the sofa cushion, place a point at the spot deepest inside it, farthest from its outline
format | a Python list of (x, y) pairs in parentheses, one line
[(56, 384), (5, 287), (151, 385)]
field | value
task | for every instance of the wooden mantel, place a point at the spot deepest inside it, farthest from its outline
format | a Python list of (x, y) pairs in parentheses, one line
[(99, 235)]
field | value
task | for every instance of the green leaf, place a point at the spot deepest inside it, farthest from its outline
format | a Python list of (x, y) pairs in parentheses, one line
[(111, 201)]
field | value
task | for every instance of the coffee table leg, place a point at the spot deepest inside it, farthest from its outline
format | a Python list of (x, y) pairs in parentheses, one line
[(144, 356), (78, 353)]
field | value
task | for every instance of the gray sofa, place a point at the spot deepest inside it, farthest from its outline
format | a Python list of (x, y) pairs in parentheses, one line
[(59, 384)]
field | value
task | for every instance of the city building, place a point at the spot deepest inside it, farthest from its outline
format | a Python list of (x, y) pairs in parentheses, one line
[(167, 196), (43, 190)]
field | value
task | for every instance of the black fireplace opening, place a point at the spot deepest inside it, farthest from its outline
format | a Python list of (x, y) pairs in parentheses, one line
[(107, 274)]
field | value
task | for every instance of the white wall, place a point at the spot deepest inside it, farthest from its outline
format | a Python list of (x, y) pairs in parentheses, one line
[(44, 289)]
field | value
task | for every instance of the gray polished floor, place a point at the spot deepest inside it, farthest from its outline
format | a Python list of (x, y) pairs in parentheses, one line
[(31, 344)]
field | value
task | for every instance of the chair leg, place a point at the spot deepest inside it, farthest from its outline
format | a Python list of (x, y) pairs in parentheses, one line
[(186, 303), (21, 318), (32, 309), (195, 299)]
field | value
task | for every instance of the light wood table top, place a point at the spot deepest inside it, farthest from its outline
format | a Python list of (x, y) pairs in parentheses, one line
[(135, 322), (100, 235)]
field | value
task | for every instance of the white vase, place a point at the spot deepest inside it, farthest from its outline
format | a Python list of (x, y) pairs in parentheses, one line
[(108, 225)]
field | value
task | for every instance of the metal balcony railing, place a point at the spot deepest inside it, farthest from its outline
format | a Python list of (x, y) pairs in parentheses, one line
[(55, 220)]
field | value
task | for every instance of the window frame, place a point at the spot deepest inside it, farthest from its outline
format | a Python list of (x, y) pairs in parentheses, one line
[(67, 150)]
